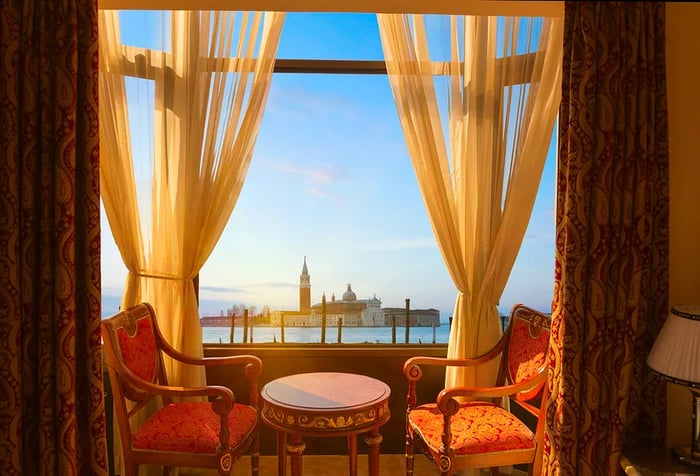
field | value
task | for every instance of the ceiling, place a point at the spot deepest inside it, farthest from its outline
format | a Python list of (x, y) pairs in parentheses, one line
[(470, 7)]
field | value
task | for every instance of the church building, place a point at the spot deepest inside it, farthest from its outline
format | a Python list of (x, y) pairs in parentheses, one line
[(353, 312)]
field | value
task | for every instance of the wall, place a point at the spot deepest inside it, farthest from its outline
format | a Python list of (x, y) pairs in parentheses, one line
[(683, 70), (383, 362)]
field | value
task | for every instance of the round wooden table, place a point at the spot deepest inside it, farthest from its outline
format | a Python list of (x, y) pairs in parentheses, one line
[(325, 404)]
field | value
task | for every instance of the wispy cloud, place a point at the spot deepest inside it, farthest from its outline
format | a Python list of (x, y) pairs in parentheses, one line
[(317, 181), (274, 285), (549, 212), (303, 105), (539, 237), (246, 288), (325, 174), (389, 245), (221, 289), (319, 192), (277, 295)]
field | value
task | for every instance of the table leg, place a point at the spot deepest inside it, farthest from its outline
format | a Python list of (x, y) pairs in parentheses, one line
[(281, 453), (295, 449), (373, 439), (352, 454)]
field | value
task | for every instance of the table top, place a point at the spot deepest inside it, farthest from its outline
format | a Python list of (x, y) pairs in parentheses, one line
[(325, 402), (324, 391)]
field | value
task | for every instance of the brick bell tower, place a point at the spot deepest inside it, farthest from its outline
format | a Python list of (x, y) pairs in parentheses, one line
[(305, 289)]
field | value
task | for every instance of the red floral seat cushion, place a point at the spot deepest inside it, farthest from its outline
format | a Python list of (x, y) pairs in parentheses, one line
[(192, 427), (478, 427)]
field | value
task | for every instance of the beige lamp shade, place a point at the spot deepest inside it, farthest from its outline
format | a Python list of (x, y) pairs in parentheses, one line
[(675, 355)]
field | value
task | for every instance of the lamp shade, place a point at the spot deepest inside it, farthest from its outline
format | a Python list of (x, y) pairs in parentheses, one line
[(675, 355)]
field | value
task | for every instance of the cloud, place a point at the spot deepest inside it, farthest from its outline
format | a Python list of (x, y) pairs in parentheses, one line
[(221, 289), (246, 288), (324, 174), (319, 192), (539, 237), (318, 181), (549, 212), (389, 245), (273, 285), (274, 294), (304, 105)]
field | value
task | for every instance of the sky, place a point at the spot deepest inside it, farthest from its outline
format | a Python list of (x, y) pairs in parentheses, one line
[(331, 180)]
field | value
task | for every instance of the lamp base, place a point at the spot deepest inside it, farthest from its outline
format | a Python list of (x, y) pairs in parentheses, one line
[(684, 455)]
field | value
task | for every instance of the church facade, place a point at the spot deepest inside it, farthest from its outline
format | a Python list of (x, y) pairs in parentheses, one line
[(351, 311)]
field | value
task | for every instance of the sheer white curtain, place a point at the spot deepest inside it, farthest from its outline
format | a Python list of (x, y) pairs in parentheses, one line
[(168, 200), (480, 170)]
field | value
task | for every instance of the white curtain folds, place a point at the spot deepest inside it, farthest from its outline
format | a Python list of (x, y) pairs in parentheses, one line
[(168, 198), (479, 164)]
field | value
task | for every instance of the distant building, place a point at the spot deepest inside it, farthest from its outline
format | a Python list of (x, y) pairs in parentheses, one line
[(216, 321), (416, 317), (302, 317), (354, 312), (304, 289)]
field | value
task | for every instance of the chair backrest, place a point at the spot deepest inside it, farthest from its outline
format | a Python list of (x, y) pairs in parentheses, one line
[(527, 344), (132, 342)]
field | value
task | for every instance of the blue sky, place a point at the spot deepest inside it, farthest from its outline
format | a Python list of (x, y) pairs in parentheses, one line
[(331, 180)]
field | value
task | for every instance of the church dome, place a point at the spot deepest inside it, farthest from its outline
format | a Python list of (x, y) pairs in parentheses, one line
[(349, 295)]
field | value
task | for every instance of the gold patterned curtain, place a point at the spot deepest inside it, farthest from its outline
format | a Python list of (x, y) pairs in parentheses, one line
[(51, 396), (612, 265)]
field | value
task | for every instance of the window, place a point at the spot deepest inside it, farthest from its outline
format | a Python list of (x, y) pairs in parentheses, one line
[(331, 181)]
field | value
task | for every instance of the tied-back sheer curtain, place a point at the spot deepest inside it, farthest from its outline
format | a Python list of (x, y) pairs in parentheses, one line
[(478, 176), (209, 88)]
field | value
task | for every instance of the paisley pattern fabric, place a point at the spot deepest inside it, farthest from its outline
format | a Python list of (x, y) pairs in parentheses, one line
[(52, 416), (139, 351), (526, 353), (192, 427), (478, 427), (612, 264)]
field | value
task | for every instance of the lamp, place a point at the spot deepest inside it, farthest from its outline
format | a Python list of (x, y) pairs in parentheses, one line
[(675, 357)]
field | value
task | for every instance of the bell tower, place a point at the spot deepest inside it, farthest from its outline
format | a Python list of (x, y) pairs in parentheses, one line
[(304, 289)]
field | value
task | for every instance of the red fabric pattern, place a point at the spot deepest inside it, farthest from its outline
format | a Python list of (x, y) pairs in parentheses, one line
[(192, 427), (139, 351), (52, 412), (611, 256), (526, 354), (478, 427)]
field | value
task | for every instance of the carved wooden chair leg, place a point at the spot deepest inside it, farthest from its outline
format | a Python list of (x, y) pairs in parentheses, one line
[(255, 456), (409, 457)]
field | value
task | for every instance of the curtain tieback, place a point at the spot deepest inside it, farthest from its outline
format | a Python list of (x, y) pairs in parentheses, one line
[(160, 276)]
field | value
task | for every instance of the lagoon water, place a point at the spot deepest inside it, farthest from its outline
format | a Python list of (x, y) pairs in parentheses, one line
[(350, 335)]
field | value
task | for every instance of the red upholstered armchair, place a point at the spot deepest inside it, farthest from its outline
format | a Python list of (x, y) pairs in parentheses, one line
[(480, 433), (205, 434)]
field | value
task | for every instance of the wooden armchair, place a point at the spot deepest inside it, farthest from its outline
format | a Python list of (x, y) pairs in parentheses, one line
[(480, 433), (207, 434)]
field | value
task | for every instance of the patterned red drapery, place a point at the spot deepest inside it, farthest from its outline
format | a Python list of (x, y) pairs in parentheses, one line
[(52, 417), (611, 271)]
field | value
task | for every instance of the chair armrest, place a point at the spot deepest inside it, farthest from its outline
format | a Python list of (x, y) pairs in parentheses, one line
[(412, 371), (253, 366), (447, 404), (215, 391), (251, 360)]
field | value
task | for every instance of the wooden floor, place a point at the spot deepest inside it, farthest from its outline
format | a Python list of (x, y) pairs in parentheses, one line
[(389, 465), (313, 465)]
